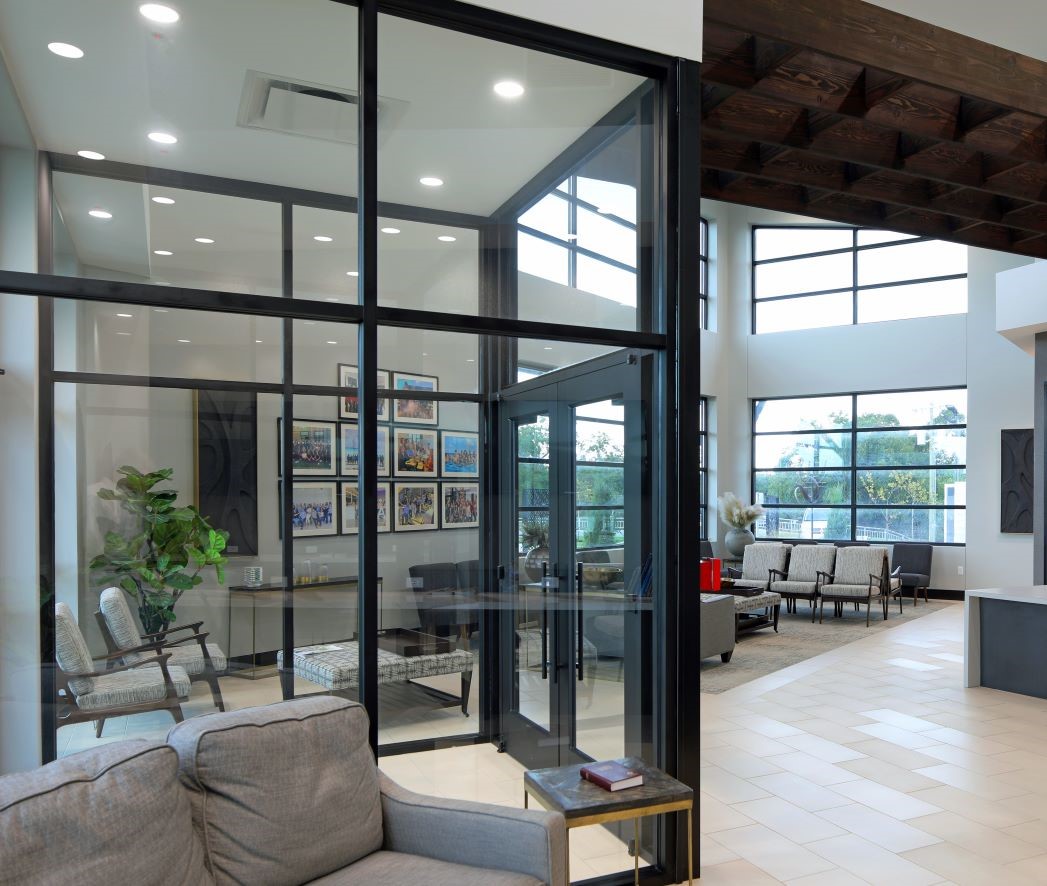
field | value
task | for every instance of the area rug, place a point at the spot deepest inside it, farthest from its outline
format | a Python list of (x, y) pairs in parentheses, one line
[(763, 652)]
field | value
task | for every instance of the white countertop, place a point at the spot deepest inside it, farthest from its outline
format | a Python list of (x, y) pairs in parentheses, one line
[(1027, 594)]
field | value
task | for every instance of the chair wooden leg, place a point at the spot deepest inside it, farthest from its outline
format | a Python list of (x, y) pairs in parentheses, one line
[(99, 723), (176, 712), (821, 613), (216, 690), (814, 607), (868, 610)]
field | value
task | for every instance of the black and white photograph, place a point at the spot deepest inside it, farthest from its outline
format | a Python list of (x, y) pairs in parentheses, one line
[(314, 509), (411, 411), (415, 506), (415, 454), (459, 505)]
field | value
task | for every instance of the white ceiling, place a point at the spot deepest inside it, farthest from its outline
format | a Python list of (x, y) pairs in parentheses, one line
[(187, 78)]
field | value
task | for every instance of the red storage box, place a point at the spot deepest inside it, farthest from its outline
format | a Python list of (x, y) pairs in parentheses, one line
[(709, 574)]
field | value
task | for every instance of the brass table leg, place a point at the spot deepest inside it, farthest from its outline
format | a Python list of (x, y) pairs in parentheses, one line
[(690, 851), (636, 851)]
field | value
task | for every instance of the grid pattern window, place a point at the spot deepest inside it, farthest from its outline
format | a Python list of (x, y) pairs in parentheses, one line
[(877, 467), (807, 277), (703, 279), (703, 468)]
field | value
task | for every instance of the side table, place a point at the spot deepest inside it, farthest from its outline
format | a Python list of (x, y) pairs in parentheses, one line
[(562, 789)]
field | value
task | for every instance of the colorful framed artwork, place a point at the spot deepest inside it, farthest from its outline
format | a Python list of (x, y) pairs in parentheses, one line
[(459, 454), (312, 448), (414, 452), (349, 464), (349, 498), (421, 411), (314, 509), (349, 406), (459, 505), (415, 506)]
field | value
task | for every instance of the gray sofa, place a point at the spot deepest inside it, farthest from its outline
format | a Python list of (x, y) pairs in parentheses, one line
[(283, 794), (716, 626)]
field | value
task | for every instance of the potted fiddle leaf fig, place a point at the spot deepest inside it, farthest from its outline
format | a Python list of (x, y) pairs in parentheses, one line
[(163, 551)]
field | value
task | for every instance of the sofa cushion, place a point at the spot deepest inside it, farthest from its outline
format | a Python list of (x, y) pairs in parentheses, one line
[(794, 588), (71, 650), (807, 561), (137, 686), (855, 564), (846, 590), (760, 558), (113, 814), (398, 868), (281, 794), (121, 622)]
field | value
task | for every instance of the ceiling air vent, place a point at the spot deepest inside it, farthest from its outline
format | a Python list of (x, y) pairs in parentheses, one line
[(312, 110)]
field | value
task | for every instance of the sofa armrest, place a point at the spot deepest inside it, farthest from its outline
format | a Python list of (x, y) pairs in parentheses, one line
[(476, 834)]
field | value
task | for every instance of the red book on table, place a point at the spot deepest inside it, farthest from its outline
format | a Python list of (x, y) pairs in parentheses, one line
[(612, 776)]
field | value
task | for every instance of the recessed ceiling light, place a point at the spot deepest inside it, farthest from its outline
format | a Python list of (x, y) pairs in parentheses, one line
[(322, 238), (470, 360), (446, 238), (332, 342), (157, 12), (162, 252), (163, 201), (123, 333), (161, 311), (431, 181), (258, 341), (424, 354), (125, 315), (206, 240), (330, 298), (353, 273), (163, 138), (90, 155), (309, 322), (99, 213), (390, 230), (184, 341), (547, 348), (508, 89), (66, 50)]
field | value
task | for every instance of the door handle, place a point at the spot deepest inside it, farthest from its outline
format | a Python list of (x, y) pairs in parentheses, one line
[(580, 615), (543, 625)]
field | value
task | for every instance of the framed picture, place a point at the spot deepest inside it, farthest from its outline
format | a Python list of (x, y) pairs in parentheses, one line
[(459, 454), (415, 506), (312, 447), (419, 412), (314, 509), (349, 406), (349, 464), (351, 508), (415, 452), (459, 505)]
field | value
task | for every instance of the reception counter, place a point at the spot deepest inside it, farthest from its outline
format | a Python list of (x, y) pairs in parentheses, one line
[(1005, 639)]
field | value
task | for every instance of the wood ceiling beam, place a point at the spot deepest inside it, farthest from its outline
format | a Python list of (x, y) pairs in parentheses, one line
[(879, 38)]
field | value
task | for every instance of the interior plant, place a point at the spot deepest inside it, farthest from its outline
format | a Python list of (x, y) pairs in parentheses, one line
[(534, 537), (163, 550), (739, 517)]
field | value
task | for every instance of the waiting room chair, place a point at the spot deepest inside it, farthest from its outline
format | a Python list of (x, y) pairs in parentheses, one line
[(809, 567), (86, 694), (860, 574), (912, 563), (705, 550), (200, 660), (758, 561)]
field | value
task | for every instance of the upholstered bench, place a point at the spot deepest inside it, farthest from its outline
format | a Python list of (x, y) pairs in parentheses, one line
[(336, 667), (745, 608)]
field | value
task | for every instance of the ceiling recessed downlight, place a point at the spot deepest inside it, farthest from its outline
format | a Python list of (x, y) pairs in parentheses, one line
[(509, 89), (90, 155), (125, 315), (547, 348), (332, 342), (205, 240), (157, 12), (184, 341), (99, 213), (163, 138), (123, 333), (352, 273), (446, 238), (163, 201), (66, 50), (258, 341), (330, 298), (431, 181), (390, 230), (162, 252), (323, 238)]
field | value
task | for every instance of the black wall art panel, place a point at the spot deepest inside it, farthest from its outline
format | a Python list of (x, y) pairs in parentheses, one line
[(227, 466), (1016, 473)]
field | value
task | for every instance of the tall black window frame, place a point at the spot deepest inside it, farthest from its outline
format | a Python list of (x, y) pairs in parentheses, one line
[(703, 468), (703, 282), (853, 250), (851, 469)]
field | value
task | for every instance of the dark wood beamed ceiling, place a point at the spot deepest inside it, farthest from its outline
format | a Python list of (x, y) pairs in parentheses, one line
[(841, 110)]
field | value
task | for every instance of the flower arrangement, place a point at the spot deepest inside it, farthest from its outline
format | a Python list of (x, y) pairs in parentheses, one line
[(736, 514)]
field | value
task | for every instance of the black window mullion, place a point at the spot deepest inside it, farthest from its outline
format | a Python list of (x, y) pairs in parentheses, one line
[(854, 280)]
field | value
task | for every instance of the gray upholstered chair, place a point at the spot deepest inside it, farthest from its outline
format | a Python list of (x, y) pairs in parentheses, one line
[(86, 694), (200, 660), (705, 549), (809, 567), (860, 575), (716, 626), (911, 564), (757, 563)]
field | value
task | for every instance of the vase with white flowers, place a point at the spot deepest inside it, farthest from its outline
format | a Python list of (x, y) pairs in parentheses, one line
[(739, 517)]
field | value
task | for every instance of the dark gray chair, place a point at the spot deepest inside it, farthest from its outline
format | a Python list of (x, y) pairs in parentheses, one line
[(912, 564), (433, 583), (705, 550)]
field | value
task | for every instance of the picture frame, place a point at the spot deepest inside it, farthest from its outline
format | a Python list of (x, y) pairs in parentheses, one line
[(414, 452), (415, 507), (349, 450), (313, 447), (348, 497), (314, 509), (459, 454), (412, 411), (459, 505), (349, 407)]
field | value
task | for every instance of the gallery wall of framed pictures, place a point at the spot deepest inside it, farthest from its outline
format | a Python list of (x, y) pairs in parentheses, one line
[(434, 473)]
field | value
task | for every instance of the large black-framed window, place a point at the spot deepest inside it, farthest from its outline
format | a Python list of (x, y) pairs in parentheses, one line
[(881, 467), (703, 467), (703, 261), (811, 276)]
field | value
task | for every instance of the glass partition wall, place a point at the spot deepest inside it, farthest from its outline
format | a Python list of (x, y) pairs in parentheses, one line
[(382, 327)]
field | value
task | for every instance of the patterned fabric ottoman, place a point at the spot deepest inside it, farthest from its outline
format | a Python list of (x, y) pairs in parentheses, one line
[(768, 604), (336, 667)]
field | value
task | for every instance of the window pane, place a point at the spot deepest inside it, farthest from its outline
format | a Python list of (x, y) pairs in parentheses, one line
[(778, 242), (819, 523), (600, 486), (914, 300), (607, 281), (911, 487), (942, 526), (599, 528), (904, 408), (804, 413), (600, 442), (811, 312), (803, 451), (606, 237), (542, 259), (804, 275), (868, 236), (550, 215), (803, 488), (912, 447), (911, 261), (611, 197)]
